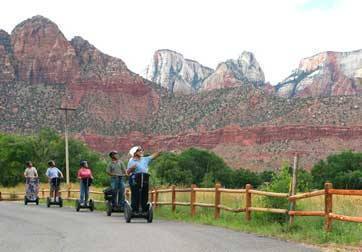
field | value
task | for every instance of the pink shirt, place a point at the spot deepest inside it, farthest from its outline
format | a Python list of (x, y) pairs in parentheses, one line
[(84, 173)]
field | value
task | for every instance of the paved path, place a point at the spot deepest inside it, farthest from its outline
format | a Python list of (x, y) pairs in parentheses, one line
[(37, 228)]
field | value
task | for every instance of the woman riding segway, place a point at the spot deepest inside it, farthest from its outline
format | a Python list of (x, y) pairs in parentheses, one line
[(85, 176), (31, 184), (139, 183)]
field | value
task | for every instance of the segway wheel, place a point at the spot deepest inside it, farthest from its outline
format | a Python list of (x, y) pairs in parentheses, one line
[(48, 202), (150, 215), (91, 205), (37, 201), (60, 202), (109, 208), (25, 200), (77, 205), (127, 213)]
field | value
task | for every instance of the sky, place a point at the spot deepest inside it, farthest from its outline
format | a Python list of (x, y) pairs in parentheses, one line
[(279, 32)]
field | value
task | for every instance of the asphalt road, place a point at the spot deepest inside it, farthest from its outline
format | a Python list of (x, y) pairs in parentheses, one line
[(37, 228)]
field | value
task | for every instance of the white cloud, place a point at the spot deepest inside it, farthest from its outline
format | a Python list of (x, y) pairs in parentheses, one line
[(280, 33)]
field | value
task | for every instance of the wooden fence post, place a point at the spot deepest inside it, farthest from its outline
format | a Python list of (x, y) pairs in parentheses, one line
[(248, 202), (293, 189), (328, 197), (156, 197), (217, 201), (0, 197), (173, 199), (42, 193), (68, 191), (193, 200)]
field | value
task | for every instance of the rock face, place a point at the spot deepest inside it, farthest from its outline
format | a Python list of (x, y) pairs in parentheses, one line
[(7, 70), (325, 74), (254, 148), (175, 73), (95, 65), (231, 73)]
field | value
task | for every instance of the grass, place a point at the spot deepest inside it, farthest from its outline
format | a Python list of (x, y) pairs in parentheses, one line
[(305, 229)]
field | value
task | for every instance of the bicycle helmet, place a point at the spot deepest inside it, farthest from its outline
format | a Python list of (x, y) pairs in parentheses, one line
[(112, 153), (83, 163)]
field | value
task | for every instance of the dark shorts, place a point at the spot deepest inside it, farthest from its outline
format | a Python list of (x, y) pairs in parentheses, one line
[(55, 184)]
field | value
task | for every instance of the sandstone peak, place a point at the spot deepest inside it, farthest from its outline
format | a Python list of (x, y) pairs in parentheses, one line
[(245, 70), (177, 74), (42, 52), (5, 41), (325, 74), (36, 22), (3, 33)]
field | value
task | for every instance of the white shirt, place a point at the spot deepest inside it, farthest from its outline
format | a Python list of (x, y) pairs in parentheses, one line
[(53, 172), (31, 172)]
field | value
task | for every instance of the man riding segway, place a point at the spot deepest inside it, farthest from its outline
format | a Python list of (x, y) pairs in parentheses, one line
[(116, 169)]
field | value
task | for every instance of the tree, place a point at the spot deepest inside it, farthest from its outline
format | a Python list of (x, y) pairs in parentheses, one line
[(41, 147), (196, 166), (242, 177)]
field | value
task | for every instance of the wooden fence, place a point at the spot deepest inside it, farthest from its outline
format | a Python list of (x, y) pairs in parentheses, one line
[(328, 193)]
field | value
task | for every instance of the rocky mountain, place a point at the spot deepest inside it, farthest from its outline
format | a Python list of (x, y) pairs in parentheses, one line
[(40, 71), (178, 75), (175, 73), (325, 74), (38, 53), (231, 73)]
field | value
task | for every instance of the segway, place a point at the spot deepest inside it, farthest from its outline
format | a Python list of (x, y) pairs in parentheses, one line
[(143, 208), (111, 197), (89, 204), (55, 183), (32, 189)]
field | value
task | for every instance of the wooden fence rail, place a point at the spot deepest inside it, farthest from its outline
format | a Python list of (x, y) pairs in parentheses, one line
[(328, 193)]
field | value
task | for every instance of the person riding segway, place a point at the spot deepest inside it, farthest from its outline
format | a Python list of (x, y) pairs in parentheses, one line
[(31, 184), (54, 175), (115, 197), (85, 176), (139, 182)]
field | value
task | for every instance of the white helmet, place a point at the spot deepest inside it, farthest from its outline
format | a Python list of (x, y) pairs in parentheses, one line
[(133, 150)]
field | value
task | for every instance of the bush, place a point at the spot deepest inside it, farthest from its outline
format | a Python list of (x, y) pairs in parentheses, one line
[(281, 182), (344, 170)]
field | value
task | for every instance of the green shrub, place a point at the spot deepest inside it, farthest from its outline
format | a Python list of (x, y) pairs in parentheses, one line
[(344, 170), (281, 183)]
